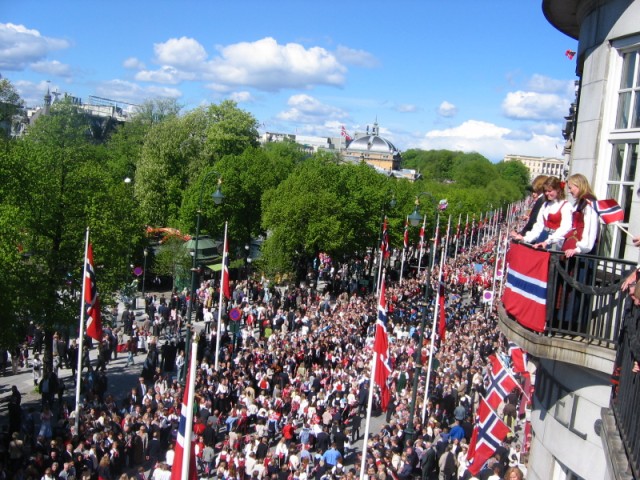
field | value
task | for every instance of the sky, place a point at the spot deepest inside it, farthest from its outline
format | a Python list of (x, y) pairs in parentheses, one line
[(485, 76)]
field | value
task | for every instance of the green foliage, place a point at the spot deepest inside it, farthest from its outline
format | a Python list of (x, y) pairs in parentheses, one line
[(173, 259), (230, 130), (10, 104), (514, 172)]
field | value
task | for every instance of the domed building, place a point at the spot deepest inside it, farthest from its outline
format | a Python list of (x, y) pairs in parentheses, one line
[(374, 150)]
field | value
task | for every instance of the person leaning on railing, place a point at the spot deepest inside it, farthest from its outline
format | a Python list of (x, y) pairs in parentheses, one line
[(581, 239)]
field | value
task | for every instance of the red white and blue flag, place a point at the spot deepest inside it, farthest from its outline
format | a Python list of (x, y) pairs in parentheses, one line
[(381, 349), (501, 383), (406, 233), (91, 300), (608, 210), (525, 295), (178, 459), (443, 204), (488, 435), (518, 358), (442, 317), (384, 246), (225, 267)]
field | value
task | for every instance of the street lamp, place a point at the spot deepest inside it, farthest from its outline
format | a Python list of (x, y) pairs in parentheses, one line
[(217, 197), (414, 219)]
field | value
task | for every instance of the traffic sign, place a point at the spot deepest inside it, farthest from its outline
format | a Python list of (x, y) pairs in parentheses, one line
[(235, 314)]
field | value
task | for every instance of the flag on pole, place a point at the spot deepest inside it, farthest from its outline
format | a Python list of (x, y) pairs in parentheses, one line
[(443, 204), (501, 383), (422, 228), (178, 459), (458, 227), (225, 267), (488, 435), (381, 348), (406, 233), (518, 358), (608, 210), (91, 301), (384, 246)]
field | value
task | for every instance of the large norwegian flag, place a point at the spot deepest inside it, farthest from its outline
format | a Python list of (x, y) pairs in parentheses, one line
[(91, 301), (406, 233), (518, 358), (225, 266), (178, 459), (608, 210), (501, 383), (381, 348), (488, 435), (525, 295)]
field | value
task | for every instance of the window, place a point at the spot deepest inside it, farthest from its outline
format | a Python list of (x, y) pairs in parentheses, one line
[(628, 115)]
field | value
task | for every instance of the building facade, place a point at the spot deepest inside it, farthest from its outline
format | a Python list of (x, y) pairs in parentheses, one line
[(540, 165)]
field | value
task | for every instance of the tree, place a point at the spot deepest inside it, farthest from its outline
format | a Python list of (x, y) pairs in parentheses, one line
[(10, 105), (230, 130), (514, 172), (172, 260)]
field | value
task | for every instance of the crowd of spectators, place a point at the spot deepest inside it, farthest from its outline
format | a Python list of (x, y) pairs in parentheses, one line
[(289, 399)]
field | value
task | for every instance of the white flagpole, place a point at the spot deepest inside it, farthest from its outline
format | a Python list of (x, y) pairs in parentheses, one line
[(81, 332), (221, 299), (188, 429), (455, 255), (404, 248), (367, 425), (466, 232), (435, 241), (446, 240), (433, 341)]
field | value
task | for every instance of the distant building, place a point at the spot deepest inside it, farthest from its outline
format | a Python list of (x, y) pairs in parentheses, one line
[(553, 167)]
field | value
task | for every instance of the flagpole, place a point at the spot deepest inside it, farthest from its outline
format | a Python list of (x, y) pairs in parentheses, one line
[(382, 252), (81, 332), (435, 241), (446, 240), (188, 429), (432, 345), (404, 245), (424, 226), (221, 299), (455, 254), (466, 232), (367, 425)]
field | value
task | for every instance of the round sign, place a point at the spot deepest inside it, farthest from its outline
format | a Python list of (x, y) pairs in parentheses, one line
[(235, 314), (137, 271)]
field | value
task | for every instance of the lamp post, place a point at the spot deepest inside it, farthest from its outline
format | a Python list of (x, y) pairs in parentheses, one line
[(217, 199), (414, 220)]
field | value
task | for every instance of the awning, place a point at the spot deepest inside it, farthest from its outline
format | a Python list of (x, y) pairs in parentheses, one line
[(216, 267)]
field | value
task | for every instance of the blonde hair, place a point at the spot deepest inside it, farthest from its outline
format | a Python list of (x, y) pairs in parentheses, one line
[(582, 183)]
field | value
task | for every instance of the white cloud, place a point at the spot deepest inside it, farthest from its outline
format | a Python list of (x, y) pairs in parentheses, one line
[(167, 75), (241, 97), (181, 52), (523, 105), (20, 46), (543, 84), (307, 109), (406, 108), (491, 140), (53, 67), (133, 63), (131, 92), (359, 58), (266, 65), (447, 109)]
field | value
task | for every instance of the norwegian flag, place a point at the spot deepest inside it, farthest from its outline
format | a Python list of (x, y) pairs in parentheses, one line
[(501, 383), (91, 300), (608, 210), (569, 54), (488, 434), (518, 358), (442, 322), (422, 228), (384, 246), (381, 349), (178, 459), (458, 227), (443, 204), (406, 233), (343, 132), (225, 267)]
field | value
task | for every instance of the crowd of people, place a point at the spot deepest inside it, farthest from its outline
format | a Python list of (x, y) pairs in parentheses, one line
[(289, 398)]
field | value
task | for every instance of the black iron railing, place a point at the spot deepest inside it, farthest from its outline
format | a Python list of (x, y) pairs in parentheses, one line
[(626, 389), (584, 299)]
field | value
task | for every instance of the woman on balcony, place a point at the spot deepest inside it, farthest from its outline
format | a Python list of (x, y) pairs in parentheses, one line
[(554, 218), (581, 239)]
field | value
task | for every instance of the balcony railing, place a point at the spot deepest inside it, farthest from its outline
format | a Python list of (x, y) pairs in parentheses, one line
[(584, 299)]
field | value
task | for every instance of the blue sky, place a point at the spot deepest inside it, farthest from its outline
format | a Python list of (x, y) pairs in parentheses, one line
[(488, 76)]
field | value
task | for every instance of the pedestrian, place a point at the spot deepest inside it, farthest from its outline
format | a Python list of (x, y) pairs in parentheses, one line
[(36, 369)]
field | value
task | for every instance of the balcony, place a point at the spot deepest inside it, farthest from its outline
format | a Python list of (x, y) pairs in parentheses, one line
[(590, 323)]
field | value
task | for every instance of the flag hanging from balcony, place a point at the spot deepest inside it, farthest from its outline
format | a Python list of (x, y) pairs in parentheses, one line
[(501, 383), (488, 435), (608, 210), (525, 294), (91, 301), (381, 349)]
